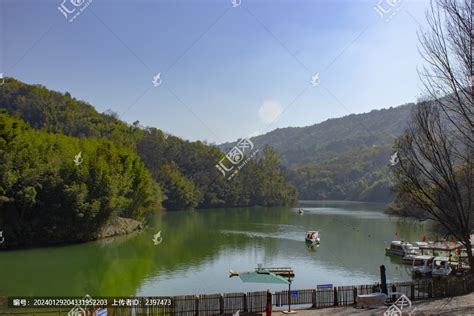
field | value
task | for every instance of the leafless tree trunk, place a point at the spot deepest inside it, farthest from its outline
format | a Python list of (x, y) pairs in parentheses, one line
[(435, 169)]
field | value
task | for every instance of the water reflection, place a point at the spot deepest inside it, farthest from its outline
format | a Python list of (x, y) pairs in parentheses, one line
[(311, 247), (198, 249)]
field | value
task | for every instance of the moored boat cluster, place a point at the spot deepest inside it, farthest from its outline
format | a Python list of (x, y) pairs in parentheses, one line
[(440, 258)]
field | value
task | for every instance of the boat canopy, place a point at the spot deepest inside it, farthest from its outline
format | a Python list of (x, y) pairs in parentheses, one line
[(420, 244), (441, 246), (441, 259), (401, 243), (425, 257)]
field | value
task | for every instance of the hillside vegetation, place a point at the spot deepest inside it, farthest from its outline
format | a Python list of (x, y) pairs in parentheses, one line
[(127, 170), (345, 158), (46, 198)]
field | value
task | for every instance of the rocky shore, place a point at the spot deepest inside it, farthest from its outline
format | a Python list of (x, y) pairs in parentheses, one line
[(119, 226)]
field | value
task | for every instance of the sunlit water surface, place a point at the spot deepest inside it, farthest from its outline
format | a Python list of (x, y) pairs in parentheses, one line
[(199, 248)]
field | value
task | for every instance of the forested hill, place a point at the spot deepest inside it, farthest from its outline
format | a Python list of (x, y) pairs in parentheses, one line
[(125, 170), (345, 158)]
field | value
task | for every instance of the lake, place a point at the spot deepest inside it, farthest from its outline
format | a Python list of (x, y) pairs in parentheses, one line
[(199, 247)]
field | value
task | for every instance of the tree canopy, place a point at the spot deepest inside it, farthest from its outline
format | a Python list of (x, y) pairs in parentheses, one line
[(126, 170), (56, 188)]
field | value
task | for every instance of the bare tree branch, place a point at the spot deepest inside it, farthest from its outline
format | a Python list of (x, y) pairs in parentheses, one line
[(435, 172)]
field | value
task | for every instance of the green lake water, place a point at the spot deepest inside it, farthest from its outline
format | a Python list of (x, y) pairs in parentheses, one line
[(199, 248)]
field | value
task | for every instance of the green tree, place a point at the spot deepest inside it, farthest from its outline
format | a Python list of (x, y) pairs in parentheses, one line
[(180, 192)]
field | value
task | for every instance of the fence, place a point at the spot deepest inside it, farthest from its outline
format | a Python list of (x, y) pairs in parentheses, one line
[(255, 302)]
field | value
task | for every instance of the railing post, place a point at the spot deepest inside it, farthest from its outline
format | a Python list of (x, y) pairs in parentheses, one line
[(196, 305), (246, 307), (412, 291), (221, 303), (335, 297), (394, 289), (313, 298), (269, 306), (277, 299), (354, 293)]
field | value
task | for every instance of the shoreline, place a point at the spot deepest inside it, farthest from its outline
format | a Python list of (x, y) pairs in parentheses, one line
[(118, 226)]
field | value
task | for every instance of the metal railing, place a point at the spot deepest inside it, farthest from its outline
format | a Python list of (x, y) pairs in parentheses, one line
[(256, 302)]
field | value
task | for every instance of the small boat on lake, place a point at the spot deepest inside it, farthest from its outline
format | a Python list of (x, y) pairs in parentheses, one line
[(424, 269), (312, 236), (398, 248), (312, 247), (418, 248), (420, 244), (411, 254), (441, 266)]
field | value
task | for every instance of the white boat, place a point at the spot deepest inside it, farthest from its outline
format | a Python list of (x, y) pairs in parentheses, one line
[(422, 269), (411, 253), (312, 236), (441, 266), (312, 247), (398, 248), (420, 244)]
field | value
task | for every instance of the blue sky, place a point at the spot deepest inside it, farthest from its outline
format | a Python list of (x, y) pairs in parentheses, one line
[(227, 72)]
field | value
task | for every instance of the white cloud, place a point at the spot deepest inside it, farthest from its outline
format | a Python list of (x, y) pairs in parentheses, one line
[(269, 111)]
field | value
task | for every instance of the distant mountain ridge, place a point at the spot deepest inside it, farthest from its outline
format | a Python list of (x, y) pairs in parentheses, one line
[(343, 158), (300, 145)]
